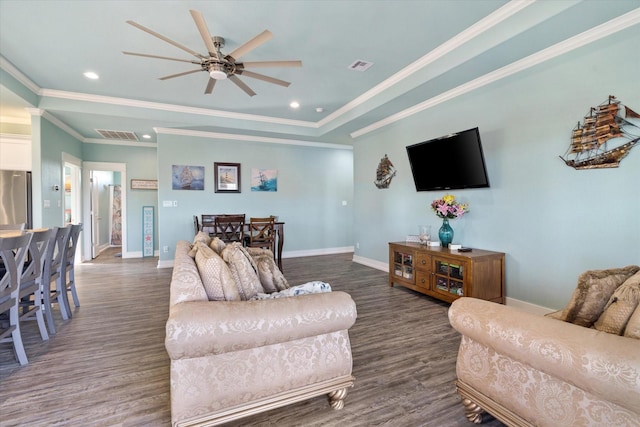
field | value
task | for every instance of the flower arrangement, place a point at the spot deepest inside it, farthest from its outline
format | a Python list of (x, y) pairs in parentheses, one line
[(447, 207)]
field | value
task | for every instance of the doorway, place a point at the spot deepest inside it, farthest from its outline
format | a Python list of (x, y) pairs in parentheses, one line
[(105, 207)]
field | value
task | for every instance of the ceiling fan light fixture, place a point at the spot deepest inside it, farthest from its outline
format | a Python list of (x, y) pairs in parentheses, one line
[(217, 72)]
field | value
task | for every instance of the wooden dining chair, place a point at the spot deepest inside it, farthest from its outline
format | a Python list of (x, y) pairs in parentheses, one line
[(10, 227), (31, 284), (262, 233), (67, 269), (208, 224), (229, 228), (13, 251), (196, 225), (52, 260)]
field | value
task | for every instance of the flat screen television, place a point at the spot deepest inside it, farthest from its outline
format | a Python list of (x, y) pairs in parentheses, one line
[(450, 162)]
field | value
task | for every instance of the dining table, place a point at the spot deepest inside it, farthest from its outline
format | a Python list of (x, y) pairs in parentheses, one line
[(279, 239)]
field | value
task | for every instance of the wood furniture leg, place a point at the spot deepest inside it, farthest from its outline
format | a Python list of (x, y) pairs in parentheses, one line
[(280, 237), (336, 398)]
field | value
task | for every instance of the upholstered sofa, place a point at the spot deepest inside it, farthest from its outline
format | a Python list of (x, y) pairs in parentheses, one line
[(530, 370), (231, 359)]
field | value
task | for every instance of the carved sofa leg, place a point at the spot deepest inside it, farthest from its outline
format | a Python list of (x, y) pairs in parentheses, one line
[(336, 398), (474, 412)]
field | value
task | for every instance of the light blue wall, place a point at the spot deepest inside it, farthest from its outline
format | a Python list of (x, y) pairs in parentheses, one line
[(53, 141), (312, 183), (552, 221), (141, 163)]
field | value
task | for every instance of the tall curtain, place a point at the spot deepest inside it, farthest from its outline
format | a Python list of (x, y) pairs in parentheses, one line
[(116, 216)]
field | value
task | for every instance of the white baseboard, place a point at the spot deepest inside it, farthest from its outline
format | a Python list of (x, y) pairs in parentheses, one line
[(137, 254), (316, 252), (165, 263), (378, 265), (528, 307)]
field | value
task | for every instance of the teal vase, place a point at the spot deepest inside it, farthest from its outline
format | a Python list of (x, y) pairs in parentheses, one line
[(445, 233)]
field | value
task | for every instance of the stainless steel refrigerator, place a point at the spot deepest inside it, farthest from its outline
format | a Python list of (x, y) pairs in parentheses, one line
[(15, 195)]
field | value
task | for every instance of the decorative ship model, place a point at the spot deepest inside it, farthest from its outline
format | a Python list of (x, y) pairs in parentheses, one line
[(592, 140), (385, 173)]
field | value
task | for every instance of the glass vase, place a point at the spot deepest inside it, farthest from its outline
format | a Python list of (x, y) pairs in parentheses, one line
[(445, 233)]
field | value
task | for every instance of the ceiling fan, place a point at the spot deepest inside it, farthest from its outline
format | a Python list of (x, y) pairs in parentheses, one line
[(218, 65)]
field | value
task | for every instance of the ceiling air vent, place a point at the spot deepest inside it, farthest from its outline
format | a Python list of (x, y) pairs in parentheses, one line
[(360, 65), (120, 135)]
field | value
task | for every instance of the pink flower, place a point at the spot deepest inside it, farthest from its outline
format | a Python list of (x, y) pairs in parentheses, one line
[(447, 207)]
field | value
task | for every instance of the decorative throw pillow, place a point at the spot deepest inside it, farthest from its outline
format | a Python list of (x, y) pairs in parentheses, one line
[(200, 237), (592, 293), (217, 245), (271, 277), (633, 325), (217, 280), (192, 252), (243, 270), (304, 289), (620, 307)]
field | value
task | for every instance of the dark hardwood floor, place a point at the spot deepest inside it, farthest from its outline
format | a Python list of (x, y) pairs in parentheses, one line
[(107, 365)]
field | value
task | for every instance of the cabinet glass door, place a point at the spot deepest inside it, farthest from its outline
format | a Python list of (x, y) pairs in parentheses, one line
[(449, 277), (403, 265)]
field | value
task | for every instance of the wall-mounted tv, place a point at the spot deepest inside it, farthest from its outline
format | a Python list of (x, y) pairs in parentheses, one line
[(450, 162)]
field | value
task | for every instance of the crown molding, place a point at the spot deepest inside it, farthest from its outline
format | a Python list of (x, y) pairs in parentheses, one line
[(450, 45), (19, 76), (596, 33), (55, 121), (250, 138), (125, 102)]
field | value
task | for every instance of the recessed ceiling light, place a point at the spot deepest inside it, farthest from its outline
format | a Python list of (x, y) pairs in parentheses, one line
[(294, 104), (146, 136), (319, 110), (91, 75)]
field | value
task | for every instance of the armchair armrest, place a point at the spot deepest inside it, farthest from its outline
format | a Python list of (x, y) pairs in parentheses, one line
[(200, 328), (606, 365)]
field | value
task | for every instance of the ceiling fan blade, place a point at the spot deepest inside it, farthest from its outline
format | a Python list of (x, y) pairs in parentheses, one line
[(241, 85), (163, 38), (264, 78), (204, 32), (210, 86), (184, 73), (251, 44), (264, 64), (146, 55)]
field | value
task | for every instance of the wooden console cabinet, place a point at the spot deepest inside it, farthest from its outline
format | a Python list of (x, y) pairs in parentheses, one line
[(447, 274)]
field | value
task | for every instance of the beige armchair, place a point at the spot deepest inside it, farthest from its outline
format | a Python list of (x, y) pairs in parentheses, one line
[(529, 370)]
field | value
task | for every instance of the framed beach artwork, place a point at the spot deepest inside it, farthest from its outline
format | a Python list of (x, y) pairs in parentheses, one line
[(227, 177), (264, 180), (187, 177)]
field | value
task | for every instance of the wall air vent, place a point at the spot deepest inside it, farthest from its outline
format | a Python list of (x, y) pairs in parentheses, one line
[(360, 65), (120, 135)]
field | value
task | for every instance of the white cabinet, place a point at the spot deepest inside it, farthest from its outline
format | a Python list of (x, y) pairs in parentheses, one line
[(15, 152)]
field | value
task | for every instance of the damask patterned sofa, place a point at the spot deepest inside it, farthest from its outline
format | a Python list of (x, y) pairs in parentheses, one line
[(529, 370), (231, 359)]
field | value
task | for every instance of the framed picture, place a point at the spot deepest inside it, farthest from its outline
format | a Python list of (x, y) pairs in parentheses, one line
[(144, 184), (264, 180), (187, 177), (227, 177)]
